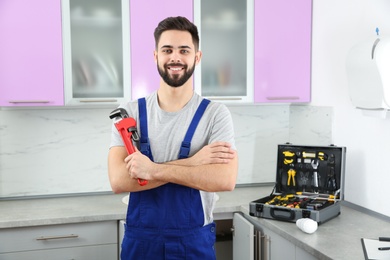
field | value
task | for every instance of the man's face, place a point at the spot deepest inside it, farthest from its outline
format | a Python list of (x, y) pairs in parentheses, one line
[(176, 57)]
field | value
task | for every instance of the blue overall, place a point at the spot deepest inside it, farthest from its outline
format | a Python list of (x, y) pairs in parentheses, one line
[(167, 222)]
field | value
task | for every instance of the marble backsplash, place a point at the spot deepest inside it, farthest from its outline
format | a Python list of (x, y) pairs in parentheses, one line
[(63, 151)]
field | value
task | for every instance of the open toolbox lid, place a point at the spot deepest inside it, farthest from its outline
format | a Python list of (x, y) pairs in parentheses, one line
[(309, 170)]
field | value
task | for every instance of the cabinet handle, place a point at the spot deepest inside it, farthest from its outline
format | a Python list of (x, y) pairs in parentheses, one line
[(265, 246), (258, 245), (282, 98), (45, 238), (97, 100), (224, 98), (28, 101)]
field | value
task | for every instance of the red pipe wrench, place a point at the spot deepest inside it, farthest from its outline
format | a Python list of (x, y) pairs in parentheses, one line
[(127, 128)]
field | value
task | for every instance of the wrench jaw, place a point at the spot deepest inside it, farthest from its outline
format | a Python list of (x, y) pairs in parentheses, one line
[(118, 114), (134, 136), (314, 164)]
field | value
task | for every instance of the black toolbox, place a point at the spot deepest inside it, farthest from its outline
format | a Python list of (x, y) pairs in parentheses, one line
[(309, 184)]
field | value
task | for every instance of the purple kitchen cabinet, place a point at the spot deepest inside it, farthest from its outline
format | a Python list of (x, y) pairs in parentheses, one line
[(144, 17), (31, 53), (282, 51)]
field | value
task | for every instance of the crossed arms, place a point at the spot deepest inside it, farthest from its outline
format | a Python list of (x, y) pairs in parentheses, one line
[(213, 168)]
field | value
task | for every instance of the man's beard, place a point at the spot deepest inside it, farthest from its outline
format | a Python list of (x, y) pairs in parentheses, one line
[(176, 80)]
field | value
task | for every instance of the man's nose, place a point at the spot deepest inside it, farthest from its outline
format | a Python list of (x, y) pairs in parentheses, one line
[(175, 57)]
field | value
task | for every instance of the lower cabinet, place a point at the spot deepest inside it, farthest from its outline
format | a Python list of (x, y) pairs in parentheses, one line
[(253, 241), (243, 238), (95, 240), (280, 248), (87, 252)]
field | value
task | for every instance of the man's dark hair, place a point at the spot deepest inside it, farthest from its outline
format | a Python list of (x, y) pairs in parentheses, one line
[(177, 23)]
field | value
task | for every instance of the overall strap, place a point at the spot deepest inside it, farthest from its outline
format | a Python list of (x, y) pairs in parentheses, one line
[(144, 137), (186, 144)]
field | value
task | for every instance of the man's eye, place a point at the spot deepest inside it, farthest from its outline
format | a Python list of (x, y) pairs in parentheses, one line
[(167, 51), (184, 51)]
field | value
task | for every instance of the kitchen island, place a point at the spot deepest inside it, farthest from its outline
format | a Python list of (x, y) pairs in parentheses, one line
[(338, 238)]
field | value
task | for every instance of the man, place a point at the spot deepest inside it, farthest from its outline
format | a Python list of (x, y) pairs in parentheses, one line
[(171, 216)]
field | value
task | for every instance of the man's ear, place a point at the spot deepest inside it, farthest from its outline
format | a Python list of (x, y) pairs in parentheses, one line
[(155, 56), (198, 57)]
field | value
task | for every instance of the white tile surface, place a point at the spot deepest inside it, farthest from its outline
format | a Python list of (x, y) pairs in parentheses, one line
[(258, 130), (61, 151), (53, 151), (310, 125)]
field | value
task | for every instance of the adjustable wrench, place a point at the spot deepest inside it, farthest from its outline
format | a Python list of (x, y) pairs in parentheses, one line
[(127, 128), (314, 164)]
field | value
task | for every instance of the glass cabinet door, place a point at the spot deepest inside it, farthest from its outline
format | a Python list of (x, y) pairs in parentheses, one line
[(96, 51), (226, 41)]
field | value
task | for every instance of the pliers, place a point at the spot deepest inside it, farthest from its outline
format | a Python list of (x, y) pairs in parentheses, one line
[(331, 181), (291, 176)]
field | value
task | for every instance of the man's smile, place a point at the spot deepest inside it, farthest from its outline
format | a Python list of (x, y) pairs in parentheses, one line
[(175, 67)]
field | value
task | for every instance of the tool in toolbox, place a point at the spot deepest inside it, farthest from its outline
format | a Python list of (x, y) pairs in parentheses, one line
[(291, 176), (331, 178), (309, 184), (304, 179), (127, 128), (314, 164)]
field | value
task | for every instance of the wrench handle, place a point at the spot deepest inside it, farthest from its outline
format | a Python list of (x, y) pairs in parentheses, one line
[(142, 182), (125, 128), (315, 179), (126, 136)]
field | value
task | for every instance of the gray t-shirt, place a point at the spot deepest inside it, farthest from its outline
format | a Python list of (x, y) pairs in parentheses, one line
[(167, 131)]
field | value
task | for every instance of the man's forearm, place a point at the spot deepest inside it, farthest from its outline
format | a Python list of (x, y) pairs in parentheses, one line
[(213, 168), (209, 177), (215, 153)]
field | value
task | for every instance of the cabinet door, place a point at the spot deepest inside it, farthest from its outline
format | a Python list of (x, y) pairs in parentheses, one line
[(243, 238), (96, 51), (98, 252), (58, 236), (282, 50), (144, 17), (31, 53), (301, 254), (226, 40), (275, 243)]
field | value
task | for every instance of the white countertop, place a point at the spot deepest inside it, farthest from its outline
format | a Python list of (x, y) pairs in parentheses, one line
[(338, 238), (53, 211)]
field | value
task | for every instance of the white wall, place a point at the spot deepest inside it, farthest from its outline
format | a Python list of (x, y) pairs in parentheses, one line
[(337, 26)]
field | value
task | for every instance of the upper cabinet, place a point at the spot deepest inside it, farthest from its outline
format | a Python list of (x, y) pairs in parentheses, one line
[(78, 52), (145, 16), (96, 51), (31, 53), (226, 41), (282, 50)]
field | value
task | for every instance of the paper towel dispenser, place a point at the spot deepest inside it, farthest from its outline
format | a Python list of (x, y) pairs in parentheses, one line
[(368, 71)]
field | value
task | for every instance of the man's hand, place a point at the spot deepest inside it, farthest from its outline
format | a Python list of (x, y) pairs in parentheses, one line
[(140, 166), (215, 153)]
